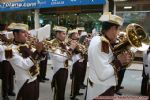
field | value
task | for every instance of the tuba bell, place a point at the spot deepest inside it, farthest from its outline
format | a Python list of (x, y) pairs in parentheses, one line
[(136, 38)]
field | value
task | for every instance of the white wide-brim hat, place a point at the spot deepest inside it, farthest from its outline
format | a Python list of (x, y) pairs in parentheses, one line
[(72, 31), (18, 26), (60, 28), (80, 28), (108, 17)]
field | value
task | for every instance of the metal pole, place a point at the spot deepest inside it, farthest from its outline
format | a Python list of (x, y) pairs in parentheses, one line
[(106, 7), (111, 6), (77, 19), (58, 19), (115, 8), (36, 19)]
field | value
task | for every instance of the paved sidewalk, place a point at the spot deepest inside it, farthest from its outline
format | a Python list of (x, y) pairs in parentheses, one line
[(131, 83), (136, 66)]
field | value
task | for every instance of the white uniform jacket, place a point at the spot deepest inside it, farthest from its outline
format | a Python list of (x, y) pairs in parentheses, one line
[(58, 59), (2, 53), (101, 72), (148, 70), (21, 66), (75, 58), (146, 63)]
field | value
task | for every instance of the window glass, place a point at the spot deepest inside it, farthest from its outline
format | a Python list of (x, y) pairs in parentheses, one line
[(141, 18), (73, 20), (26, 17)]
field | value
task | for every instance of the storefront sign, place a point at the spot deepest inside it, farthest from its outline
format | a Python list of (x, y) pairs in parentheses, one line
[(58, 3), (34, 4), (23, 4)]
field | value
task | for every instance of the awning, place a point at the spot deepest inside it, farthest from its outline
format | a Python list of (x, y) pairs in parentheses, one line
[(7, 5)]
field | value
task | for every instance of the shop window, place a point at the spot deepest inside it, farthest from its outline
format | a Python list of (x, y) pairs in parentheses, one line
[(141, 18), (73, 20)]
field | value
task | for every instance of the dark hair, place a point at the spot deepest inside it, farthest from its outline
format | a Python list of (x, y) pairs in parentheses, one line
[(3, 27), (55, 32), (107, 25), (15, 31)]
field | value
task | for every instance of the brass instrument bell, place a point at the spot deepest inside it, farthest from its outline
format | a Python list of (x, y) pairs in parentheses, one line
[(135, 34), (136, 37)]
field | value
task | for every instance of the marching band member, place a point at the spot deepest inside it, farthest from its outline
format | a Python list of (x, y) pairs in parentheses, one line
[(43, 67), (80, 30), (103, 64), (121, 72), (59, 56), (24, 62), (149, 72), (146, 73), (82, 39), (6, 68), (78, 65)]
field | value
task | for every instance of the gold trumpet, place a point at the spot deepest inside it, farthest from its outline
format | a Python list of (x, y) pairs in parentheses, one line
[(136, 37), (55, 44), (80, 47)]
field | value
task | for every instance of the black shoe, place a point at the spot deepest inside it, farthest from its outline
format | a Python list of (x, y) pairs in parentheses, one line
[(11, 94), (121, 87), (73, 98), (83, 86), (46, 79), (41, 80), (80, 94), (70, 95), (118, 93), (118, 88), (5, 98)]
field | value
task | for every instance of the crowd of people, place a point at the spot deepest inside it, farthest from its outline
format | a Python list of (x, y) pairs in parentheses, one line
[(23, 61)]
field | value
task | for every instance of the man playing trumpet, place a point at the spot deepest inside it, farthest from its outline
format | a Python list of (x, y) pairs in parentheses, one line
[(24, 62), (60, 54), (79, 64)]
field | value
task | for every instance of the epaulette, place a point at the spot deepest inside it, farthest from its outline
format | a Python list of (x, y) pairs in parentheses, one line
[(104, 45), (54, 44), (8, 51)]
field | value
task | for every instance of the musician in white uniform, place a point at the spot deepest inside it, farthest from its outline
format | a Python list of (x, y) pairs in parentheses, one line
[(121, 37), (79, 62), (6, 68), (60, 55), (146, 73), (149, 73), (103, 64), (23, 60)]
